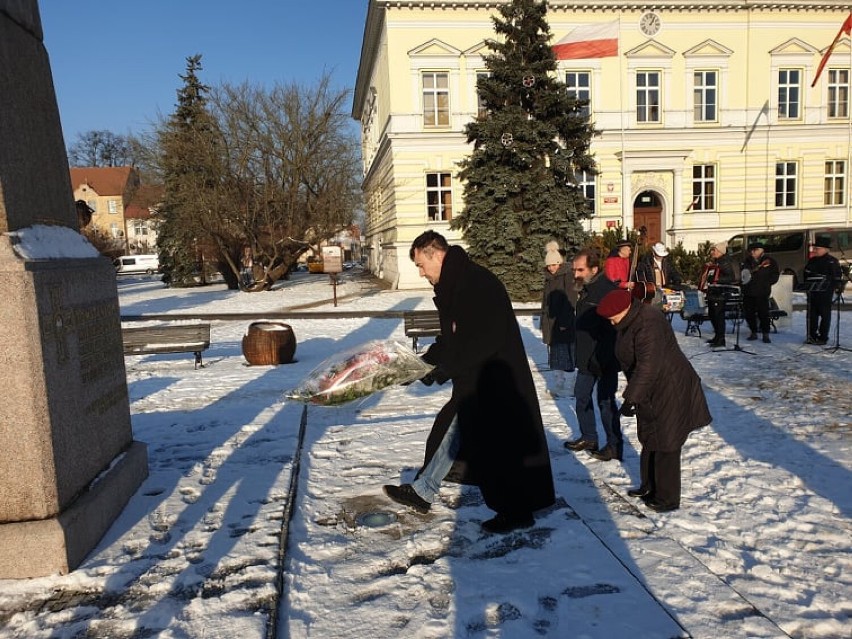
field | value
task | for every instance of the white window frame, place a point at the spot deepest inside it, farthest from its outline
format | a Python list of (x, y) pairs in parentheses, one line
[(435, 92), (648, 91), (587, 183), (704, 94), (579, 91), (786, 87), (704, 188), (838, 93), (786, 184), (437, 209), (834, 189)]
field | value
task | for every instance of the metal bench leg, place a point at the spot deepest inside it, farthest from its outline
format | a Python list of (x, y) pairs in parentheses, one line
[(198, 360)]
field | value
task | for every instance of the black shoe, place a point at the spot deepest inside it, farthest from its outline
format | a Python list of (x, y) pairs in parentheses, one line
[(812, 340), (661, 507), (752, 337), (607, 453), (821, 342), (642, 491), (406, 496), (581, 444), (504, 523), (766, 339), (716, 343)]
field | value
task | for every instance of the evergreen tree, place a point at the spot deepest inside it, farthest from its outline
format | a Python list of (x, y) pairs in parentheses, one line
[(188, 163), (520, 181)]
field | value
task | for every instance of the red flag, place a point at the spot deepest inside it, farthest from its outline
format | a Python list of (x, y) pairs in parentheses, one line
[(847, 29), (589, 41)]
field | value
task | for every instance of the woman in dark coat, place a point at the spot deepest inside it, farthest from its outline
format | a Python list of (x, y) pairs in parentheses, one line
[(663, 391), (502, 440), (557, 319)]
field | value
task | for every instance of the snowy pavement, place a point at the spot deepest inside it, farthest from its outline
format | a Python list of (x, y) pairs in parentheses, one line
[(760, 547)]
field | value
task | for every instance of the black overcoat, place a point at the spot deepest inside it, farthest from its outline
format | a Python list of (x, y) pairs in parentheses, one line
[(557, 306), (595, 335), (661, 382), (481, 350)]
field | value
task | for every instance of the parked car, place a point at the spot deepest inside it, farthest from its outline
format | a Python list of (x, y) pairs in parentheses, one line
[(791, 248), (128, 264)]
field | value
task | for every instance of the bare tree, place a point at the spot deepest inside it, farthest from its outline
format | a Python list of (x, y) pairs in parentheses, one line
[(100, 148)]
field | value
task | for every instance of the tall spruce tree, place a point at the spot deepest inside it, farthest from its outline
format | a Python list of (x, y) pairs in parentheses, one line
[(188, 163), (521, 179)]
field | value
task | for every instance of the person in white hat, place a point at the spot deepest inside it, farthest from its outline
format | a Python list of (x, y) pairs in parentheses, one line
[(557, 320), (657, 269)]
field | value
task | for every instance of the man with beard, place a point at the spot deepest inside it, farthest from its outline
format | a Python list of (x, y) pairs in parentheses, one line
[(596, 363), (492, 422)]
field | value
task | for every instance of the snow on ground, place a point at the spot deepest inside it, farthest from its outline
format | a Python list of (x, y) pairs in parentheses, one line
[(760, 547)]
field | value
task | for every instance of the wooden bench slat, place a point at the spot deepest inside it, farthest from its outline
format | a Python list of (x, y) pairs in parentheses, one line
[(419, 324), (175, 338)]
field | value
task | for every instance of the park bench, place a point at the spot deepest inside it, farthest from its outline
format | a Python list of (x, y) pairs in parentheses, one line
[(695, 314), (421, 324), (167, 338)]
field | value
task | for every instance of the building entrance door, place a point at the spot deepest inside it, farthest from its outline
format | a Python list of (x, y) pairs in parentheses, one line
[(648, 212)]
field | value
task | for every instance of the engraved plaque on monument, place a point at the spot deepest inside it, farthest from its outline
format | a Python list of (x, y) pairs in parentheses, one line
[(68, 461)]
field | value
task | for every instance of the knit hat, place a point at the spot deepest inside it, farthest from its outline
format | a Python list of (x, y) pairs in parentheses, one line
[(722, 247), (553, 257), (660, 249), (552, 245), (614, 302)]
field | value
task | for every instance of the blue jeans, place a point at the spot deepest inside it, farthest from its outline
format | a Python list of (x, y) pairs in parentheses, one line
[(428, 483), (607, 384)]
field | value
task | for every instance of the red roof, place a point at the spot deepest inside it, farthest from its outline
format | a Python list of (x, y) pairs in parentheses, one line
[(103, 180)]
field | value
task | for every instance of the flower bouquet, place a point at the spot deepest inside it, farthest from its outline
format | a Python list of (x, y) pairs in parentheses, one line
[(360, 371)]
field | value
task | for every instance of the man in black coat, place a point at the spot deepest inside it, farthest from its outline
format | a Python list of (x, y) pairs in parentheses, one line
[(718, 280), (596, 362), (759, 273), (824, 276), (492, 421)]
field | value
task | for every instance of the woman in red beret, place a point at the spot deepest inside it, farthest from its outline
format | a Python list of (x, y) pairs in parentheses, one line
[(663, 392)]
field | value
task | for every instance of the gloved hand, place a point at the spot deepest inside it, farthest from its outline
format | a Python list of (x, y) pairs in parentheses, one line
[(436, 375), (627, 409)]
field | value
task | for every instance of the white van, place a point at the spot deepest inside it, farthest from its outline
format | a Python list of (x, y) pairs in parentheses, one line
[(127, 264)]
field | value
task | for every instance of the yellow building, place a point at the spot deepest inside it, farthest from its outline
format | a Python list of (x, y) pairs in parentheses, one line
[(709, 125)]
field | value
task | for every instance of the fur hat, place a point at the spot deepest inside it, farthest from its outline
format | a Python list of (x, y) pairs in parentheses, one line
[(553, 257), (614, 302), (722, 247), (660, 249), (823, 241)]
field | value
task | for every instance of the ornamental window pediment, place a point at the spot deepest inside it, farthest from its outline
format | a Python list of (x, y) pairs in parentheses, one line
[(651, 49), (793, 47), (708, 48), (433, 48)]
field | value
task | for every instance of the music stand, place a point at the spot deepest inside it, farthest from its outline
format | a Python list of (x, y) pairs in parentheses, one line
[(838, 301), (813, 284), (734, 302)]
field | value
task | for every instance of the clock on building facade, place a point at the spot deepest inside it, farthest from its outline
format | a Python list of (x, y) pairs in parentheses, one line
[(650, 23)]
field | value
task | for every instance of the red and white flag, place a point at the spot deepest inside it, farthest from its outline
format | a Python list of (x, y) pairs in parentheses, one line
[(847, 29), (589, 41)]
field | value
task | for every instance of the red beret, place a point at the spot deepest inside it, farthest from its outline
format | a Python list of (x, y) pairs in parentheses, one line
[(614, 302)]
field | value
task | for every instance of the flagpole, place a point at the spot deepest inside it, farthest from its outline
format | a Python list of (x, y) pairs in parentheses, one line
[(624, 187)]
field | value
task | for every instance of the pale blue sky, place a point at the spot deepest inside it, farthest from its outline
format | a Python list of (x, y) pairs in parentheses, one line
[(116, 63)]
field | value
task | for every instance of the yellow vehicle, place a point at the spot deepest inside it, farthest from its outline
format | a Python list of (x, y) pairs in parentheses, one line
[(315, 264)]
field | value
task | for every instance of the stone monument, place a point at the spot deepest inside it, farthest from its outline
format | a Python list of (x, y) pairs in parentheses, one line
[(68, 461)]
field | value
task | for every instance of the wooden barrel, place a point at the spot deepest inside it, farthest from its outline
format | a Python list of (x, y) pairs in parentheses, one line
[(269, 343)]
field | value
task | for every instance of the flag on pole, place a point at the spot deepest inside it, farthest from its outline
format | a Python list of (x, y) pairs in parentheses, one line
[(589, 41), (847, 29)]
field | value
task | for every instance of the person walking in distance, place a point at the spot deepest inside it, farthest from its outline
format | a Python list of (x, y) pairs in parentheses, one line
[(557, 319), (759, 273), (667, 400), (492, 421), (597, 368)]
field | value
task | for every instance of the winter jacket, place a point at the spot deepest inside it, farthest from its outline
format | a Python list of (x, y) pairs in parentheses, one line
[(826, 266), (595, 335), (480, 348), (557, 306), (645, 272), (762, 274), (617, 269), (665, 389)]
